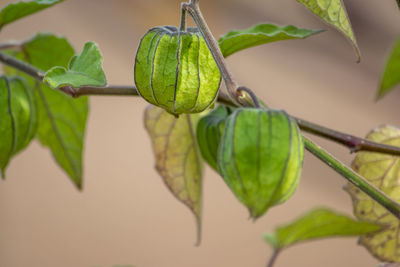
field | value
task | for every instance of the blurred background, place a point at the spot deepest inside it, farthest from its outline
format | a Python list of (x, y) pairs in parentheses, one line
[(125, 215)]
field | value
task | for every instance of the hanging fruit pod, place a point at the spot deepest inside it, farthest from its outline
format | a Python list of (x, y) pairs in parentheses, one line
[(210, 130), (175, 70), (260, 157), (18, 118)]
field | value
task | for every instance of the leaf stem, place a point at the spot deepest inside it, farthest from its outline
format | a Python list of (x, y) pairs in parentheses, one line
[(22, 66), (353, 177), (183, 19), (10, 45), (114, 90), (272, 260), (354, 143), (195, 13)]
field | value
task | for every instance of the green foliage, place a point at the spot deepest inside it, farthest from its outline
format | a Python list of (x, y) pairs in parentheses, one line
[(383, 171), (258, 152), (18, 118), (176, 71), (18, 10), (178, 160), (260, 157), (61, 119), (209, 133), (317, 224), (334, 13), (391, 75), (84, 70), (235, 41)]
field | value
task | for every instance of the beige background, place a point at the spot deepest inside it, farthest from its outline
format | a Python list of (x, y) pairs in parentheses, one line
[(125, 214)]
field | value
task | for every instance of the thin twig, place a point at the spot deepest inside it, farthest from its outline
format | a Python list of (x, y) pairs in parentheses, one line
[(355, 144), (353, 177), (253, 101), (272, 260), (197, 16), (22, 66), (10, 45), (114, 90), (183, 19)]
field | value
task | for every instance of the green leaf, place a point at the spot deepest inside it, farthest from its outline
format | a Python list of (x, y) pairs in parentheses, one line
[(235, 41), (382, 171), (61, 119), (18, 10), (18, 118), (316, 224), (46, 50), (260, 157), (398, 3), (334, 13), (391, 75), (209, 133), (84, 70), (62, 125), (178, 160)]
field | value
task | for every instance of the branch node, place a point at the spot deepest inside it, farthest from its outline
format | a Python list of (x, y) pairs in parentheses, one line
[(69, 90)]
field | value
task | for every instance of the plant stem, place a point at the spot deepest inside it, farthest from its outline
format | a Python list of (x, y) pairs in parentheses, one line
[(195, 13), (183, 19), (10, 45), (272, 260), (22, 66), (354, 143), (353, 177), (112, 90)]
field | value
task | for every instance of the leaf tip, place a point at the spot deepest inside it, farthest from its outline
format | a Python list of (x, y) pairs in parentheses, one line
[(318, 31), (79, 185), (358, 54), (379, 95), (271, 239)]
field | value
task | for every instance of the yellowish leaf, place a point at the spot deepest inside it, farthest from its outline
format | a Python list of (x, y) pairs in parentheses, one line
[(178, 160), (383, 171), (334, 13)]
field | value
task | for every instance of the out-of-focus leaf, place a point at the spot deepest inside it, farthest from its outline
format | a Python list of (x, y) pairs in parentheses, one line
[(334, 13), (389, 265), (383, 171), (209, 133), (178, 160), (316, 224), (61, 119), (237, 40), (391, 75), (18, 10), (84, 69), (398, 3), (18, 118), (260, 157)]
